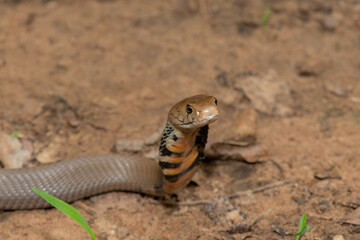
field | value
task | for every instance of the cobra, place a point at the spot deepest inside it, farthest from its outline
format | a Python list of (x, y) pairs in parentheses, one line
[(180, 153)]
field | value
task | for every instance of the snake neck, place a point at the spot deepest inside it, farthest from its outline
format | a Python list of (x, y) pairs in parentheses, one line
[(180, 155)]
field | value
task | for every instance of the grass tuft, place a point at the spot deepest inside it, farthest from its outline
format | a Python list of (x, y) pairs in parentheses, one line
[(266, 16), (67, 209), (15, 134), (303, 227)]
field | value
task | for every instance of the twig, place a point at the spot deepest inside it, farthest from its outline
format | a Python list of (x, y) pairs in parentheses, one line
[(260, 217), (277, 165), (260, 189), (207, 202), (96, 127), (352, 205), (247, 236), (189, 203), (322, 217)]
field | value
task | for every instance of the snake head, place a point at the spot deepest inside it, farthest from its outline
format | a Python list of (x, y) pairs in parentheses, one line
[(194, 112)]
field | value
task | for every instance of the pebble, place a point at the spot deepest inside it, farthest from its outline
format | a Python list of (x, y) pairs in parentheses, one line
[(299, 200), (250, 154), (331, 173), (51, 152), (234, 217), (336, 89), (122, 232), (13, 153), (310, 68), (329, 23), (268, 93), (338, 237), (324, 205)]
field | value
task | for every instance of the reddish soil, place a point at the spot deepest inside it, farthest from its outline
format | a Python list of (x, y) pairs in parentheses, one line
[(76, 76)]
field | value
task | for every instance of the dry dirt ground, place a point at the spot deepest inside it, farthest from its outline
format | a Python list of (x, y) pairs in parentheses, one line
[(76, 76)]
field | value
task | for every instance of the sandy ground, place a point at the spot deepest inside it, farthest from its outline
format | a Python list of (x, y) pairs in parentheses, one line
[(75, 77)]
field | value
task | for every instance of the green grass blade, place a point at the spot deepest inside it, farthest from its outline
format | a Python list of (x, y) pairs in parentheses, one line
[(305, 230), (266, 15), (303, 227), (302, 222), (67, 209), (15, 134), (304, 219)]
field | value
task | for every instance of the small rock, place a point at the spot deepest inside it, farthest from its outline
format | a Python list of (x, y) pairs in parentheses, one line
[(299, 200), (324, 205), (246, 28), (52, 153), (221, 211), (122, 232), (71, 118), (338, 237), (326, 185), (13, 153), (47, 156), (268, 93), (310, 68), (329, 23), (336, 89), (234, 217), (230, 150), (330, 173), (279, 230)]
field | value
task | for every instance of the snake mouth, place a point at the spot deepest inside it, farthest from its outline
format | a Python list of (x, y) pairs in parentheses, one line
[(209, 119)]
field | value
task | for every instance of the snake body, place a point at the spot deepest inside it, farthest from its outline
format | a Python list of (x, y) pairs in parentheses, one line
[(180, 153)]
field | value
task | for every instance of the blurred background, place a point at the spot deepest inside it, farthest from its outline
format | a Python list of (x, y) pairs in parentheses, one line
[(77, 77)]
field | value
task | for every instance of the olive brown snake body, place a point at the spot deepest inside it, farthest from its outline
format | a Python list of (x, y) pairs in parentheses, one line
[(180, 153)]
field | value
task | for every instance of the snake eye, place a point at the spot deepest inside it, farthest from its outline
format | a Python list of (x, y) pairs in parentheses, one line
[(189, 109), (215, 100)]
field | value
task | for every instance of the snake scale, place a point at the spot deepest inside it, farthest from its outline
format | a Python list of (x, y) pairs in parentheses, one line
[(180, 153)]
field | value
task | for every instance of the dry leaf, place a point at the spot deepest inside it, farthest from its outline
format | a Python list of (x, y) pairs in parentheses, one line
[(353, 217), (250, 154)]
